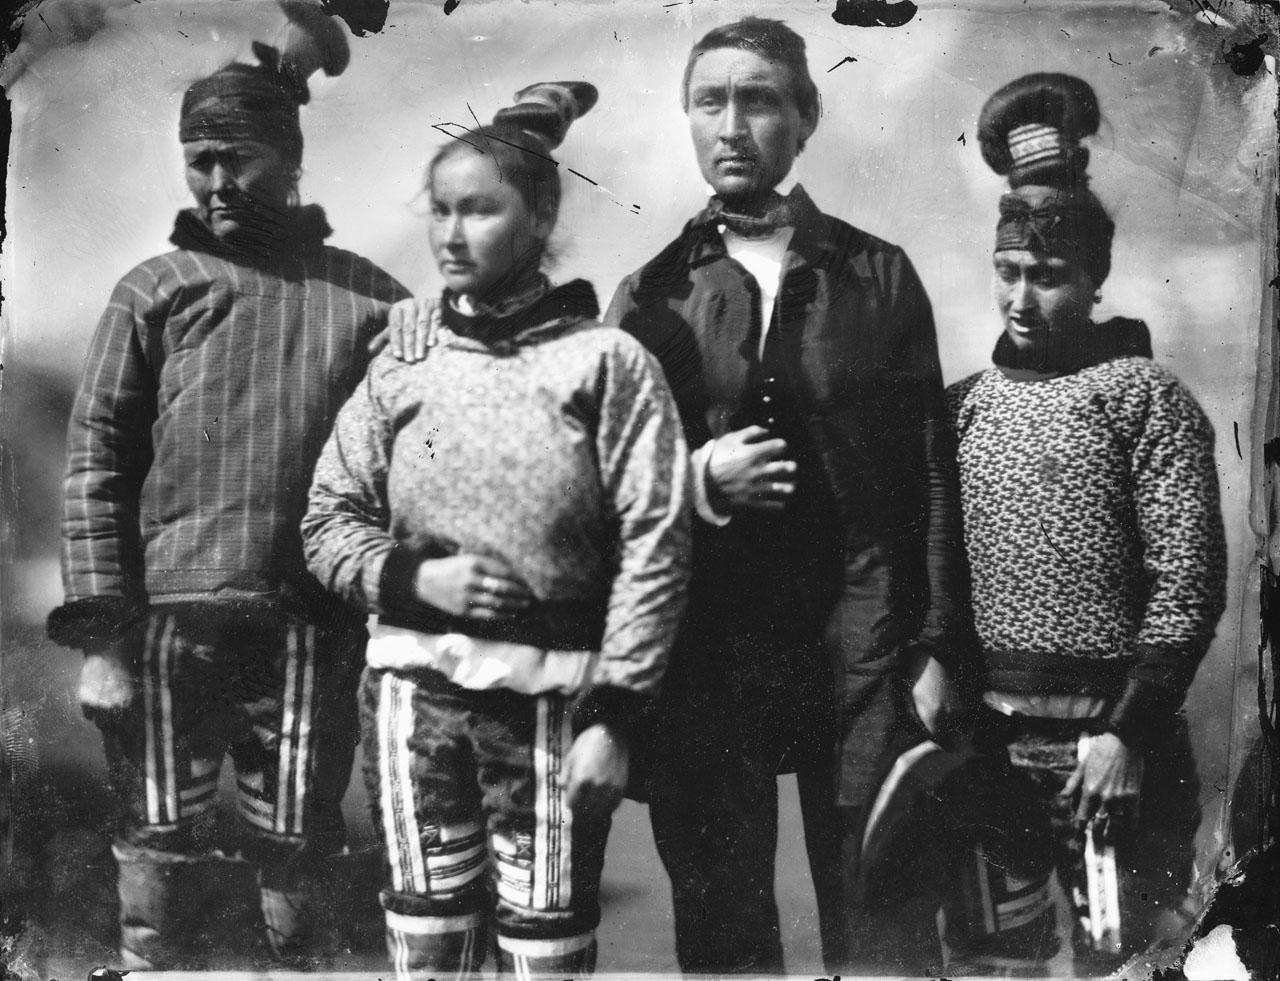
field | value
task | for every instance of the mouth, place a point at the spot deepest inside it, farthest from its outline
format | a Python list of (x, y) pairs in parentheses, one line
[(736, 161), (457, 265)]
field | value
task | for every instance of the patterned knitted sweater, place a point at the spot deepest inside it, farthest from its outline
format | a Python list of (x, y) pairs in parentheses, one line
[(549, 442), (1093, 530)]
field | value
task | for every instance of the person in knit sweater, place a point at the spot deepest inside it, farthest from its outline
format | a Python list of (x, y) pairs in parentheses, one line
[(209, 387), (1094, 534), (513, 507)]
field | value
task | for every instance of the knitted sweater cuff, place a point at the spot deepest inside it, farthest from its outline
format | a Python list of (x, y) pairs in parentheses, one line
[(94, 621), (1153, 692), (395, 585), (618, 708)]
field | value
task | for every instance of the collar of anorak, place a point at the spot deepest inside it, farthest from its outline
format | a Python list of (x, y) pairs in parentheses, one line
[(1119, 337), (299, 230), (809, 243), (549, 315)]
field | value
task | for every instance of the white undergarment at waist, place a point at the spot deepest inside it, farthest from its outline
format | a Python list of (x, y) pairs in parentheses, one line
[(479, 664), (1046, 706)]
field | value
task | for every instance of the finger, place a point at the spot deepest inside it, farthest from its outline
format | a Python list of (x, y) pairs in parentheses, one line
[(772, 449), (499, 569), (421, 329), (395, 341), (499, 605), (764, 504), (752, 434), (778, 468), (1086, 808), (496, 592), (775, 490), (379, 341), (488, 565), (502, 587), (1073, 783)]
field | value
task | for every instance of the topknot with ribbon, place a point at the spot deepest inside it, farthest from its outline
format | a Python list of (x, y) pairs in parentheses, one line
[(260, 102), (546, 110), (1030, 131)]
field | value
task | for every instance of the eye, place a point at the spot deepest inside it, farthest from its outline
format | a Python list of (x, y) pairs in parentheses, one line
[(762, 99)]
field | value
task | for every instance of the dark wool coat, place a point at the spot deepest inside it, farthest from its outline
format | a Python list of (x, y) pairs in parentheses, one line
[(860, 356)]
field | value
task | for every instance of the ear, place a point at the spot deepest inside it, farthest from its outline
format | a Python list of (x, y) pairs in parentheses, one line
[(808, 123), (543, 225)]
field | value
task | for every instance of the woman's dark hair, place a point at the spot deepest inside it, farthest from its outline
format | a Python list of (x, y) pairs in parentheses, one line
[(1030, 131), (521, 137), (1048, 99), (522, 157), (770, 39)]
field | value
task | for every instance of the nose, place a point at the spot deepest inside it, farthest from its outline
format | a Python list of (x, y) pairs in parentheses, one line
[(221, 178), (1019, 295), (732, 120), (453, 234)]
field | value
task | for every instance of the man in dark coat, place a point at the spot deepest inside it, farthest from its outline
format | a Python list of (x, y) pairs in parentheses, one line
[(802, 355)]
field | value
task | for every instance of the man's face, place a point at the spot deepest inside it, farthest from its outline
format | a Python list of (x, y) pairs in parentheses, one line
[(1041, 297), (233, 179), (746, 126)]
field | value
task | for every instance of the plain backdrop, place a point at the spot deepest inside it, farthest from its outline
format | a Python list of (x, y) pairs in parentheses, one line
[(1185, 161)]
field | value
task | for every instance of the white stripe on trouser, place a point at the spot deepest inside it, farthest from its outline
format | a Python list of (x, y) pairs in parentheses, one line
[(553, 830), (302, 753), (151, 774), (288, 725), (166, 712), (157, 703), (408, 936), (399, 822), (529, 958)]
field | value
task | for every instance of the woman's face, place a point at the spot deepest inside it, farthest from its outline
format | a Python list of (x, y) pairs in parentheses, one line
[(481, 229), (1040, 296)]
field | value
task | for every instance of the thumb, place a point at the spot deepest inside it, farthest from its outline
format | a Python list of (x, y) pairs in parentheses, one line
[(379, 341), (1074, 782), (565, 778)]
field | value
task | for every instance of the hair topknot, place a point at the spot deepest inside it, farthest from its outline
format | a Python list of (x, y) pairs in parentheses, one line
[(1051, 113), (545, 110)]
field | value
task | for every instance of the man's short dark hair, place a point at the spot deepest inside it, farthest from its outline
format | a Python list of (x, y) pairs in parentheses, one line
[(771, 39)]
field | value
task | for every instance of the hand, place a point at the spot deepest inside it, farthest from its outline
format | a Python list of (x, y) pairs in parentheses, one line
[(594, 775), (407, 331), (106, 687), (472, 586), (750, 469), (1109, 773), (933, 692)]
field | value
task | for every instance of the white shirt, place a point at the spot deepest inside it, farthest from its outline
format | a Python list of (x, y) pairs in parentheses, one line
[(763, 259)]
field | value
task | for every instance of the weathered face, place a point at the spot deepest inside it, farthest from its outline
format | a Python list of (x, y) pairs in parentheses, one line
[(746, 126), (231, 179), (481, 228), (1040, 297)]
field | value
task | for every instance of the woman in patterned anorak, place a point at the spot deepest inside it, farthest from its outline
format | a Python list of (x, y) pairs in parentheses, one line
[(513, 509)]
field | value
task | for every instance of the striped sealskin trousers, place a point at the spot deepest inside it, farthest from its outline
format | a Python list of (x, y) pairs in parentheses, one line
[(278, 695), (480, 842)]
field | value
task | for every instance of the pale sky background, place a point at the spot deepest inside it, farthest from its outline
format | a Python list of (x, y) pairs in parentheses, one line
[(1185, 162)]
